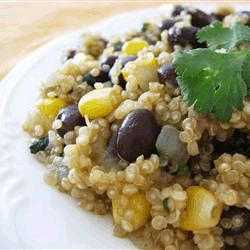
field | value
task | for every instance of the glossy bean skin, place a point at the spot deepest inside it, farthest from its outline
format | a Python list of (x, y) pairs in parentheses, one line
[(127, 59), (70, 117), (166, 24), (137, 135), (102, 77), (69, 55), (177, 10), (167, 73), (199, 18), (185, 36), (110, 61)]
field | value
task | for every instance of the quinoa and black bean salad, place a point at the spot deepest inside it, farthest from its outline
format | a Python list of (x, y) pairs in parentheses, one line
[(152, 127)]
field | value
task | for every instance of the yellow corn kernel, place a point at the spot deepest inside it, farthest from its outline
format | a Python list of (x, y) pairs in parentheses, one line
[(145, 62), (100, 102), (132, 47), (203, 209), (141, 71), (135, 212), (51, 106)]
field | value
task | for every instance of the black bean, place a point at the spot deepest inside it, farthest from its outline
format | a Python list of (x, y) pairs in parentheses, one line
[(167, 73), (109, 60), (228, 247), (245, 14), (111, 158), (39, 145), (166, 24), (185, 36), (71, 54), (200, 18), (137, 135), (127, 59), (102, 77), (245, 213), (218, 17), (121, 81), (70, 117), (112, 148), (177, 10), (193, 166), (237, 143)]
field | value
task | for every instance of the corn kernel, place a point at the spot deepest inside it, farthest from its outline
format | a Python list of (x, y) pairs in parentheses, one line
[(100, 102), (137, 205), (132, 47), (145, 61), (51, 106), (142, 71), (203, 209)]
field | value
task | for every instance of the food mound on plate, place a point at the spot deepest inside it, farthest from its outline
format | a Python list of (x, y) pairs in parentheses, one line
[(153, 128)]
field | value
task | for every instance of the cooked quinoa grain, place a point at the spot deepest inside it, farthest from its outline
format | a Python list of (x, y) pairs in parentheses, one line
[(115, 133)]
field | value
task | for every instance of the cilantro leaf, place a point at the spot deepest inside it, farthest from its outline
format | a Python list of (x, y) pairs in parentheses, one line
[(39, 145), (183, 169), (211, 81), (216, 36), (246, 71), (165, 204), (118, 46)]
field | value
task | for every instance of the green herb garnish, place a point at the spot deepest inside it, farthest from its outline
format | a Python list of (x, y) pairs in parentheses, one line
[(118, 46), (144, 27), (216, 36), (215, 81), (89, 78), (213, 171), (39, 145), (183, 169), (165, 204)]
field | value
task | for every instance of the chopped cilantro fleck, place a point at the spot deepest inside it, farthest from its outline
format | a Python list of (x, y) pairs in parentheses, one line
[(165, 204), (89, 78), (183, 169), (39, 145), (216, 36), (118, 46), (143, 29), (213, 171)]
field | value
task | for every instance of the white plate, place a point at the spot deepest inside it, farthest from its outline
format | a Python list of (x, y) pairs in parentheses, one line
[(33, 215)]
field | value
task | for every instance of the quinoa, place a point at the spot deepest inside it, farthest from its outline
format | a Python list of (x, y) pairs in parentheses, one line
[(148, 194)]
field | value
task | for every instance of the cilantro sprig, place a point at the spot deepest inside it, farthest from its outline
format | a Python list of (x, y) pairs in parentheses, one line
[(217, 37), (216, 81)]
